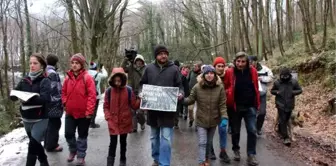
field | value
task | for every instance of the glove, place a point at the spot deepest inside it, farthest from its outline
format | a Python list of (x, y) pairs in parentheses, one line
[(224, 122)]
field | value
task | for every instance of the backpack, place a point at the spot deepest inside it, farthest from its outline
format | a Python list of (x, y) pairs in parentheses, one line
[(55, 107), (129, 92)]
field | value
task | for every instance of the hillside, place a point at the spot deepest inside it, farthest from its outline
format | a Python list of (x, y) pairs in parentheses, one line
[(315, 140)]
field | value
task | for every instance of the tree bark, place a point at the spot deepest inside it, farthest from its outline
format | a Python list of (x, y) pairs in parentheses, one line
[(289, 21), (327, 4), (313, 11), (73, 30), (278, 13), (307, 23), (28, 31), (223, 28), (331, 13)]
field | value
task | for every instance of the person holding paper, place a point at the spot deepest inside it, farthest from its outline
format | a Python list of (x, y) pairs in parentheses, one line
[(33, 111), (241, 84), (79, 99), (209, 93), (265, 76), (162, 73)]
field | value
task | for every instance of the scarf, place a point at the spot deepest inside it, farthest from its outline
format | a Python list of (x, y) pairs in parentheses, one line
[(34, 75)]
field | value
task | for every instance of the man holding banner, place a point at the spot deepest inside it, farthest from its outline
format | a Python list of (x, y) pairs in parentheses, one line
[(162, 73)]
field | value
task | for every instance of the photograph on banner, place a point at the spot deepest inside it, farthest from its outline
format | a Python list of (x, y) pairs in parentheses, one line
[(159, 98)]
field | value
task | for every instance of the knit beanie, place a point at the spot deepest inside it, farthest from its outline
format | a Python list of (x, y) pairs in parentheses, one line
[(218, 60), (93, 66), (241, 54), (208, 68), (160, 48), (79, 57)]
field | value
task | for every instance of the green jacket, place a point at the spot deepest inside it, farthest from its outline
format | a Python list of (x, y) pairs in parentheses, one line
[(133, 74), (211, 102)]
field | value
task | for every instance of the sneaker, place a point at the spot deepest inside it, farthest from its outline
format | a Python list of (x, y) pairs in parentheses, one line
[(80, 161), (94, 125), (191, 123), (155, 163), (287, 142), (122, 163), (259, 132), (143, 127), (223, 156), (236, 155), (252, 161), (212, 156), (58, 149), (71, 157)]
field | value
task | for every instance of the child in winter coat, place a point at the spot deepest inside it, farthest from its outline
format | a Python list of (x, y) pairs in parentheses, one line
[(118, 102), (79, 99), (285, 89), (209, 93)]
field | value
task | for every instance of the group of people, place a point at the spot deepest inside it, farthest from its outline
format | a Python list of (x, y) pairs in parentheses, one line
[(221, 94)]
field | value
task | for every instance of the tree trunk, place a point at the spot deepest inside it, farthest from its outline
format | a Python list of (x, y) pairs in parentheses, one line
[(19, 22), (261, 47), (313, 11), (278, 13), (223, 29), (327, 4), (255, 20), (245, 28), (268, 26), (28, 31), (73, 29), (289, 21), (304, 8), (331, 13)]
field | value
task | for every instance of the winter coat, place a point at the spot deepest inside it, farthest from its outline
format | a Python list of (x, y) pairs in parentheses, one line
[(285, 93), (117, 107), (211, 102), (79, 94), (192, 79), (37, 104), (98, 77), (55, 106), (265, 76), (185, 84), (168, 76), (134, 75), (229, 84)]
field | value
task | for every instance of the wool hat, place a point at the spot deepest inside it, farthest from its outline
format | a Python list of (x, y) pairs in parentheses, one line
[(241, 54), (219, 60), (160, 48), (93, 66), (78, 57), (208, 68)]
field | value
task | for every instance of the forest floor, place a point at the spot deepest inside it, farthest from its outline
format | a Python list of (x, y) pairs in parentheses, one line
[(315, 140)]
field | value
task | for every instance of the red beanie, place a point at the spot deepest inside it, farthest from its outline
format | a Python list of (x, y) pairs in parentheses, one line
[(78, 57), (218, 60)]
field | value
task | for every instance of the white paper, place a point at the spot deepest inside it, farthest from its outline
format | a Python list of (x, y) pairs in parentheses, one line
[(24, 96)]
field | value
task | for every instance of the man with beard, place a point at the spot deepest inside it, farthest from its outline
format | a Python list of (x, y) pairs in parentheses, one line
[(241, 86), (162, 73), (192, 79)]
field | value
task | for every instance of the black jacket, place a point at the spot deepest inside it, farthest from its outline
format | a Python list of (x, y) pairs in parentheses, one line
[(285, 93), (55, 106), (40, 85), (168, 76)]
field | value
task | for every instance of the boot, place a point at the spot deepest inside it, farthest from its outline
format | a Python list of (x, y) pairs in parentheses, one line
[(236, 155), (287, 142), (252, 161), (94, 125), (212, 155), (31, 160), (110, 161), (71, 157), (143, 127), (191, 123), (43, 160), (80, 161), (122, 163), (44, 163), (223, 155), (155, 163)]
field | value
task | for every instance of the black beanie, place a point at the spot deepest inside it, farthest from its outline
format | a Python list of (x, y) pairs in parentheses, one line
[(160, 48)]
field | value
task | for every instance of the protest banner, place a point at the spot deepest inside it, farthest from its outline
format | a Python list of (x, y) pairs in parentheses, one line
[(159, 98)]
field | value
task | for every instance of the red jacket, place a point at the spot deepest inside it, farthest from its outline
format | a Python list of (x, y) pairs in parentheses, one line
[(79, 94), (229, 82), (118, 113)]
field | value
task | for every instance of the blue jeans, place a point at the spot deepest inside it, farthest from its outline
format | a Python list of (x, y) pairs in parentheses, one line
[(161, 138), (205, 137), (249, 115)]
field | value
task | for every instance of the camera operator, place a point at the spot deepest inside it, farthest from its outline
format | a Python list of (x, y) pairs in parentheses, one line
[(134, 66)]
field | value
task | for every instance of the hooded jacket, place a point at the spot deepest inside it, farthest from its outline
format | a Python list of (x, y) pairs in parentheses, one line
[(98, 77), (265, 76), (168, 76), (79, 94), (211, 102), (117, 107), (285, 91), (134, 73)]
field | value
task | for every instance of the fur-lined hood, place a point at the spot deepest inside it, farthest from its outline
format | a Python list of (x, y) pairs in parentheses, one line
[(200, 80), (118, 72)]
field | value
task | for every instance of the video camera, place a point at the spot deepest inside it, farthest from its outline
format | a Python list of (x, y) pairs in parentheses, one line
[(130, 54)]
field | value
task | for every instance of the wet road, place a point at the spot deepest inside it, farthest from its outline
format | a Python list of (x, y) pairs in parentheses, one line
[(184, 151)]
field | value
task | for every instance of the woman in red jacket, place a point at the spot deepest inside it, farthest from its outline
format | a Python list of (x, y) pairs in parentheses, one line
[(118, 102), (79, 99)]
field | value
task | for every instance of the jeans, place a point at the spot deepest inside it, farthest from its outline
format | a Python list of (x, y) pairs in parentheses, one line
[(35, 132), (249, 115), (283, 122), (161, 138), (262, 113), (79, 145), (52, 134), (205, 137), (113, 146)]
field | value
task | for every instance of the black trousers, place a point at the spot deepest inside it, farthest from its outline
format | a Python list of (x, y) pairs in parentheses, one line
[(52, 134), (93, 118), (113, 146), (283, 122)]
